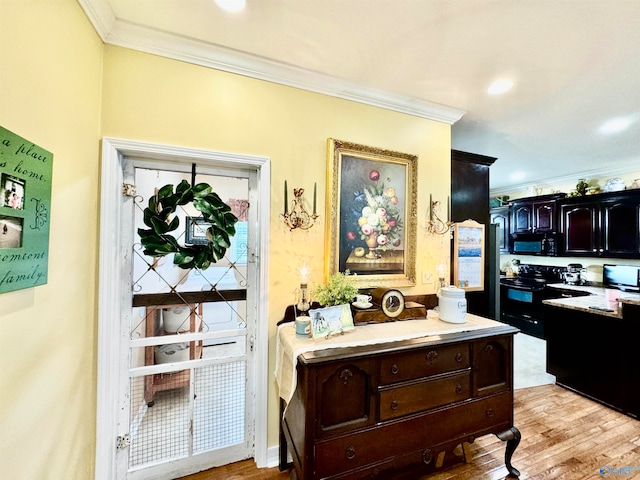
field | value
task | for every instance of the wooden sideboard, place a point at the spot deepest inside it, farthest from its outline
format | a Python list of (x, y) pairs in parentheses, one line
[(373, 411)]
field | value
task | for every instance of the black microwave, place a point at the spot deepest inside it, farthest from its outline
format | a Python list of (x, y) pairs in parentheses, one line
[(533, 244)]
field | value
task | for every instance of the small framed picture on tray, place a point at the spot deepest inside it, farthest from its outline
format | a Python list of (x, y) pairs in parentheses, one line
[(331, 321)]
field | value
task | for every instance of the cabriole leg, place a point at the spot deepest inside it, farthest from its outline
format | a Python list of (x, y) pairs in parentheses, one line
[(512, 437)]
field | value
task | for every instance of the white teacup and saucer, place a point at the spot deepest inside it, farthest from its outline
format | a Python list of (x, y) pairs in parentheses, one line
[(362, 301)]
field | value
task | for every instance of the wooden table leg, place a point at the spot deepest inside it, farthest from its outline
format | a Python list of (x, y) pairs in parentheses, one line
[(283, 440), (466, 452), (512, 437)]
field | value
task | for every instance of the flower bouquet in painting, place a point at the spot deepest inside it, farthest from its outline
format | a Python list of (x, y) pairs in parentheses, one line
[(376, 218)]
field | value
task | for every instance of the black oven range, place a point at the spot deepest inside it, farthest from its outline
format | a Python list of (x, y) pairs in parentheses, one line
[(521, 297)]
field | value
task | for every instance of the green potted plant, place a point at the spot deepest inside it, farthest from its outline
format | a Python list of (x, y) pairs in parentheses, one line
[(339, 290)]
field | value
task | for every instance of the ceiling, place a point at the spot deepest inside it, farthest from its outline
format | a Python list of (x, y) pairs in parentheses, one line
[(574, 64)]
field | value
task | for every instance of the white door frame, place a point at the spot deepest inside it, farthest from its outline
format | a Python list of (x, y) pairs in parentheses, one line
[(111, 275)]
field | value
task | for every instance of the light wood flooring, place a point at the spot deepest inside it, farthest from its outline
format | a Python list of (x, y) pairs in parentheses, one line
[(564, 436)]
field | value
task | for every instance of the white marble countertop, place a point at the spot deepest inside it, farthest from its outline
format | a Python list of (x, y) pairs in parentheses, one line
[(609, 299)]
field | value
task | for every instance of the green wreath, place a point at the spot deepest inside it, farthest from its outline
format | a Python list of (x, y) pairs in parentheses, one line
[(158, 242)]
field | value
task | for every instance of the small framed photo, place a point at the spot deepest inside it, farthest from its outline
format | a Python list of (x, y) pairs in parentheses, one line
[(331, 321), (196, 233), (12, 192)]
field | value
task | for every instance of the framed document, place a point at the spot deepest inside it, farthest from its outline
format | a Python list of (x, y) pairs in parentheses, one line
[(468, 255)]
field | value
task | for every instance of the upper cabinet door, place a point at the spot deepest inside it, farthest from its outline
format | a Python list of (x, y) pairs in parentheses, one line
[(535, 214), (620, 228), (521, 217), (579, 231), (544, 216), (604, 226)]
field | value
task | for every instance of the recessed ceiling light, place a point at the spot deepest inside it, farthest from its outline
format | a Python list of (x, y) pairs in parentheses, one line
[(617, 124), (499, 86), (231, 5)]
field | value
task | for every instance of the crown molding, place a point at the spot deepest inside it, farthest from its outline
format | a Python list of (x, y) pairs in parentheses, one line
[(120, 33), (100, 15), (574, 177)]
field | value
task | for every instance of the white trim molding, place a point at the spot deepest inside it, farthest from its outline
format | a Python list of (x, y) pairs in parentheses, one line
[(121, 33)]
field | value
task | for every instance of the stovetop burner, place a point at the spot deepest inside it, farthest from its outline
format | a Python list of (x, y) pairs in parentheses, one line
[(534, 277), (528, 283), (544, 272)]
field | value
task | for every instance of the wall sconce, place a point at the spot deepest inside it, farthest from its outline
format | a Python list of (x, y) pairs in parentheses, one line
[(298, 217), (435, 225)]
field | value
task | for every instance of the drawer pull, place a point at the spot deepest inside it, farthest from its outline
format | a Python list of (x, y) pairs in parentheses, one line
[(345, 375), (394, 405), (489, 412), (350, 454), (394, 369), (458, 388), (427, 456), (432, 356), (488, 349), (458, 357)]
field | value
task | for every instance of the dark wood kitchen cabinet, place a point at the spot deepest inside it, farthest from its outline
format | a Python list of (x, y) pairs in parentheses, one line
[(535, 214), (372, 411), (605, 225), (500, 216), (470, 200), (603, 364)]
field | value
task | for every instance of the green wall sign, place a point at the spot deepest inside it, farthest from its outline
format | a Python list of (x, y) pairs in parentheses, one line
[(25, 203)]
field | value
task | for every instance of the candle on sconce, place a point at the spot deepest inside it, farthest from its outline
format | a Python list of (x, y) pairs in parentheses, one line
[(285, 196), (430, 207), (314, 198)]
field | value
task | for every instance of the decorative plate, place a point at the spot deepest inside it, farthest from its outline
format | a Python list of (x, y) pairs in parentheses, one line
[(613, 185)]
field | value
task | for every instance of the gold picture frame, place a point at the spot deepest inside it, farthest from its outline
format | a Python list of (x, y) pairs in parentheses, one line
[(468, 255), (372, 212)]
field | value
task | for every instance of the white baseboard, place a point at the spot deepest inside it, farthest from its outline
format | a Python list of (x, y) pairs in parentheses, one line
[(273, 457)]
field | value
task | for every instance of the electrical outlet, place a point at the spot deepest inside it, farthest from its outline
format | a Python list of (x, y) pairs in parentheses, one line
[(427, 277)]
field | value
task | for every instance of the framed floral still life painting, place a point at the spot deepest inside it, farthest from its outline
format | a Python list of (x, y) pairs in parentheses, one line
[(371, 209)]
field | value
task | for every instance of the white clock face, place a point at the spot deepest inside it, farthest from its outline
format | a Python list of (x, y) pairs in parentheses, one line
[(392, 304)]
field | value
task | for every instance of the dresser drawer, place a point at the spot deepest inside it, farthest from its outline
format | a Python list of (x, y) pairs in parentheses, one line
[(347, 453), (414, 397), (424, 362)]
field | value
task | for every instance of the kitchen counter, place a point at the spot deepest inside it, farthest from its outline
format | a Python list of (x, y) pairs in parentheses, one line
[(594, 357), (599, 297)]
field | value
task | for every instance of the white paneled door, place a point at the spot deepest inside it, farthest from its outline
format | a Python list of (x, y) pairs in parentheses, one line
[(189, 340)]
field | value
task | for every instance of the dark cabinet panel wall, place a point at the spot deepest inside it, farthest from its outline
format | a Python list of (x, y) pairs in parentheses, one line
[(537, 215), (601, 225), (603, 364), (470, 200), (606, 225)]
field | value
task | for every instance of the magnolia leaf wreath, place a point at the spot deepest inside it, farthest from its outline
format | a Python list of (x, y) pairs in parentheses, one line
[(157, 239)]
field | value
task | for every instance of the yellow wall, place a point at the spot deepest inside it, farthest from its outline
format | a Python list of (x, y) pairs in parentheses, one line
[(50, 87), (55, 78), (153, 99)]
